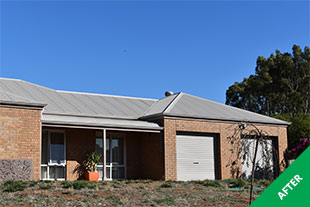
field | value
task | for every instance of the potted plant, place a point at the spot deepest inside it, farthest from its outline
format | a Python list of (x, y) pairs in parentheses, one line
[(91, 163)]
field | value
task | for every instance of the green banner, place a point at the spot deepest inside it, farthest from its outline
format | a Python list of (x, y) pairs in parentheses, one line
[(291, 188)]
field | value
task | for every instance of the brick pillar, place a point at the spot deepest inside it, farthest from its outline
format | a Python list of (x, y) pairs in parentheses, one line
[(282, 146), (170, 149)]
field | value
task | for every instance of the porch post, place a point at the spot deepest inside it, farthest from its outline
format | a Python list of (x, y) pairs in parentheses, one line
[(104, 155)]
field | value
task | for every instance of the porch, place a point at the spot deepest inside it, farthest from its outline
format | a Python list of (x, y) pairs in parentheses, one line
[(126, 154)]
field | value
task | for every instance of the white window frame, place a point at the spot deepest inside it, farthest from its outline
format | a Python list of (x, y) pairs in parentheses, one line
[(103, 154), (111, 164), (49, 163)]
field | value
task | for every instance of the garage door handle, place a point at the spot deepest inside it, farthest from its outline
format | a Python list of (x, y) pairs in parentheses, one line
[(195, 163)]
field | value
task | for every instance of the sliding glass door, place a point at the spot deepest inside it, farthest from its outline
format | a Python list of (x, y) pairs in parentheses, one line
[(115, 156), (53, 155)]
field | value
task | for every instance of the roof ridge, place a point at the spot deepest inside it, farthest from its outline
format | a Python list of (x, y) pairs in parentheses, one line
[(37, 85), (150, 108), (98, 94), (10, 79), (77, 92), (173, 102)]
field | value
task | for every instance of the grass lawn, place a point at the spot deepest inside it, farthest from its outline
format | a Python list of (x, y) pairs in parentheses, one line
[(126, 193)]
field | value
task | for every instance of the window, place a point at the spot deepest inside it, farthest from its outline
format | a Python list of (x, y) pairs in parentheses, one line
[(53, 155)]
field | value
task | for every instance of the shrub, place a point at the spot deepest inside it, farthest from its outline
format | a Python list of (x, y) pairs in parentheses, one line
[(265, 183), (13, 186), (67, 184), (32, 183), (45, 181), (302, 145), (168, 200), (92, 186), (138, 181), (212, 183), (166, 185), (77, 185), (45, 187), (235, 182)]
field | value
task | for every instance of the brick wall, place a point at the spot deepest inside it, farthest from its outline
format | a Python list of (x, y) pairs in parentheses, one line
[(171, 126), (79, 142), (152, 157), (20, 135), (144, 156), (133, 152)]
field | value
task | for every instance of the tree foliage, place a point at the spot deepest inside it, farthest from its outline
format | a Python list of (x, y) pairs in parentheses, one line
[(299, 128), (280, 87)]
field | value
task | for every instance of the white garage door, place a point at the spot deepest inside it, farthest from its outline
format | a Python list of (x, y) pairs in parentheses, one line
[(247, 165), (195, 157)]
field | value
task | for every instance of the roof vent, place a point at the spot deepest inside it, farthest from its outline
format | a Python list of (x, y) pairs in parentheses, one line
[(168, 93)]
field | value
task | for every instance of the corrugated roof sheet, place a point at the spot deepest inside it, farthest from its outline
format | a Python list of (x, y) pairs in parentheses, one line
[(160, 106), (99, 122), (186, 105), (107, 106), (61, 102), (8, 98)]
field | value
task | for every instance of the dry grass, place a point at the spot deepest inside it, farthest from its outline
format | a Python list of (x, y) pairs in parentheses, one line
[(124, 193)]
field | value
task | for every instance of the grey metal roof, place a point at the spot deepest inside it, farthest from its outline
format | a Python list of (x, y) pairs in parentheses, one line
[(8, 98), (186, 105), (160, 106), (99, 122), (118, 107), (73, 103)]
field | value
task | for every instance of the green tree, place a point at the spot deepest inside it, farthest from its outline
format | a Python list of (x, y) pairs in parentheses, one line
[(300, 127), (280, 87)]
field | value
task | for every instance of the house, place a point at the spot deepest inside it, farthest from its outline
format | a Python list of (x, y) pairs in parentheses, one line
[(46, 134)]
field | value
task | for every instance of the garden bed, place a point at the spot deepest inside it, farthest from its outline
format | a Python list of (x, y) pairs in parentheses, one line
[(126, 193)]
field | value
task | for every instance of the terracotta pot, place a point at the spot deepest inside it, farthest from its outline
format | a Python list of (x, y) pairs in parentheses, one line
[(92, 176)]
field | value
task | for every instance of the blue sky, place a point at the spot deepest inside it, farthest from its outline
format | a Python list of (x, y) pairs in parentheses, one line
[(143, 49)]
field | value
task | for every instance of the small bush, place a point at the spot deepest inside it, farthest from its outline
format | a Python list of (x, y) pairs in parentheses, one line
[(138, 181), (265, 183), (32, 183), (235, 183), (45, 181), (13, 186), (212, 183), (77, 185), (92, 186), (140, 187), (112, 197), (168, 200), (85, 200), (67, 184), (45, 187), (166, 185), (116, 182)]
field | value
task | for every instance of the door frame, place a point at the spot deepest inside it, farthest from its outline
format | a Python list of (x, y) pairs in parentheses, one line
[(123, 135)]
